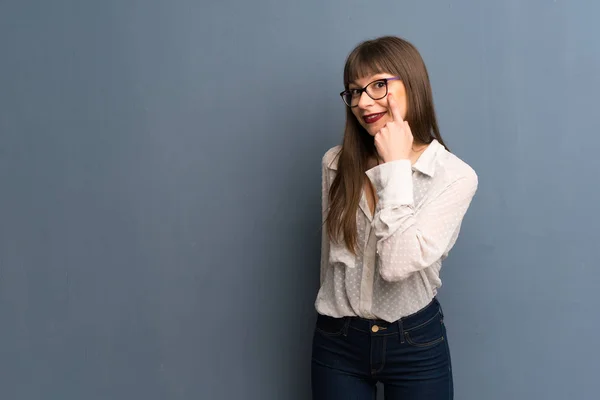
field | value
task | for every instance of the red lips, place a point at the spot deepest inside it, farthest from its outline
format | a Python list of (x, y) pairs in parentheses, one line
[(372, 118)]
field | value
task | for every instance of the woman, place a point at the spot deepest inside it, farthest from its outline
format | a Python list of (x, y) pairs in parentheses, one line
[(393, 201)]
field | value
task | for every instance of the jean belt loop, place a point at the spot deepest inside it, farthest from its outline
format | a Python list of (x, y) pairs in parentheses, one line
[(440, 308), (346, 324), (400, 330)]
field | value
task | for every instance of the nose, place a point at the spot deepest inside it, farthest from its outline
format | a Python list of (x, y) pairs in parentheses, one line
[(365, 100)]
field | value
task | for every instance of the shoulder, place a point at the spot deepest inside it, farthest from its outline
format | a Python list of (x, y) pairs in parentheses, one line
[(455, 169), (330, 158)]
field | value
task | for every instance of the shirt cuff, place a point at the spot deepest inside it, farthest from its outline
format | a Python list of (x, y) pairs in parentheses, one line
[(393, 182)]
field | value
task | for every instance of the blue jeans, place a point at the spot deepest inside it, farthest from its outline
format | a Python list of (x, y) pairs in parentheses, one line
[(410, 357)]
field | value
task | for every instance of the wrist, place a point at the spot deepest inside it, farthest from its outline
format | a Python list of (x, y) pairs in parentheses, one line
[(396, 158)]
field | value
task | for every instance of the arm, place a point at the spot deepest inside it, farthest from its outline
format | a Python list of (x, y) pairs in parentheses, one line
[(408, 242)]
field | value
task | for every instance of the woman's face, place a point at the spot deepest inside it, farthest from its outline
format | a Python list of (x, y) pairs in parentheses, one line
[(374, 114)]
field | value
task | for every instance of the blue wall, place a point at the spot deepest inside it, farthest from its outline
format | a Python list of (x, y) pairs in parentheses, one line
[(160, 192)]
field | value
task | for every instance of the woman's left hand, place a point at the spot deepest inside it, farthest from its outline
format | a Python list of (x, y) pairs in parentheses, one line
[(394, 141)]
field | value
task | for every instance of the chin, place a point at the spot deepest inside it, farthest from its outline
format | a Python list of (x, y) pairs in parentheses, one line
[(374, 128)]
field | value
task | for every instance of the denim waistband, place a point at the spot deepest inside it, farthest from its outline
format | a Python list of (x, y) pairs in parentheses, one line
[(404, 324)]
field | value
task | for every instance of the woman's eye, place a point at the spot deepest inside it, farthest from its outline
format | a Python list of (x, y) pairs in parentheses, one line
[(380, 84), (354, 92)]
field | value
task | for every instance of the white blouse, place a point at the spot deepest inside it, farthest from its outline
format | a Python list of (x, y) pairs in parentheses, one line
[(396, 271)]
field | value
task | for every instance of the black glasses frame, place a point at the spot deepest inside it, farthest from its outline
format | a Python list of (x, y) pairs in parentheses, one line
[(364, 90)]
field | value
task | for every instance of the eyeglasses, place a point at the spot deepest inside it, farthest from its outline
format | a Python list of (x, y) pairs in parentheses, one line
[(376, 90)]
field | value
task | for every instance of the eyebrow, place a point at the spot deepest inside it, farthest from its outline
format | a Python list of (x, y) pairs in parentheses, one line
[(372, 80)]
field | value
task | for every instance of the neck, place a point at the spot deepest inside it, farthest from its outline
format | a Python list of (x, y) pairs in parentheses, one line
[(417, 150)]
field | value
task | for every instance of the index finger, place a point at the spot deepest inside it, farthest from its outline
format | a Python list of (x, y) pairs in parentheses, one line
[(393, 105)]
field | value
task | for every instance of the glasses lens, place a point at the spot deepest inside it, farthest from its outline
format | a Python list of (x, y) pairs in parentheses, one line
[(347, 96), (377, 90)]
